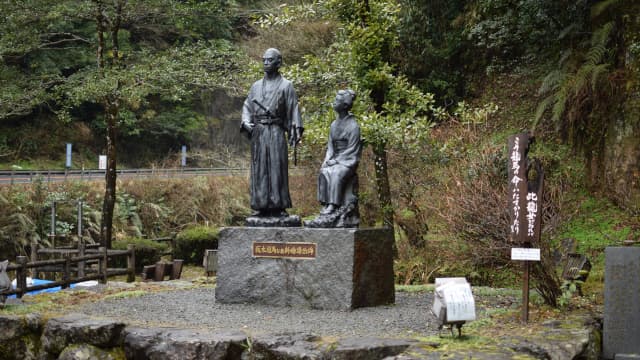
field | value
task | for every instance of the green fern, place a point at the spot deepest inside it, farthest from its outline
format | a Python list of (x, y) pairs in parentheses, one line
[(566, 55), (551, 81), (567, 89), (543, 106), (601, 7), (561, 98), (598, 73), (599, 41)]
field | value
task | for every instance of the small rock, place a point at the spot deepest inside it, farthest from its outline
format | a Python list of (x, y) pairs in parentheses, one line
[(84, 352)]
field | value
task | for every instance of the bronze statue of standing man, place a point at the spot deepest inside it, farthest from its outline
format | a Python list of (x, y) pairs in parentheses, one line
[(271, 118)]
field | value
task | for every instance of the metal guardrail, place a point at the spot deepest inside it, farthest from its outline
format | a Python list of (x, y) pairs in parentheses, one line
[(28, 176)]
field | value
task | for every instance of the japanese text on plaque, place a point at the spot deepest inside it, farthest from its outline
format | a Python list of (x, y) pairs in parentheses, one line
[(284, 250)]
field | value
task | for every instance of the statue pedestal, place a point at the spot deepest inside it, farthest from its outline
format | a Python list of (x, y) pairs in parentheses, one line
[(316, 268)]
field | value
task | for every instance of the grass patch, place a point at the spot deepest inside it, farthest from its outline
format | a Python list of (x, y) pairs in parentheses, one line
[(415, 288), (596, 224), (489, 291), (126, 294)]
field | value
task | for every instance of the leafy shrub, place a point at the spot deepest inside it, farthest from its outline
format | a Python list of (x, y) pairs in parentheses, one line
[(148, 252), (193, 241)]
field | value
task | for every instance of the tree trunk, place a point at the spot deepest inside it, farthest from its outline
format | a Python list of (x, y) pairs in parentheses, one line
[(382, 183), (112, 108), (112, 112)]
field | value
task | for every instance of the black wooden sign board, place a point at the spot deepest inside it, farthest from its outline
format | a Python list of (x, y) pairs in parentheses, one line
[(525, 203)]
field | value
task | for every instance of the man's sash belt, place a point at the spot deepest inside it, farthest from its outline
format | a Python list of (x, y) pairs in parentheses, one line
[(268, 120)]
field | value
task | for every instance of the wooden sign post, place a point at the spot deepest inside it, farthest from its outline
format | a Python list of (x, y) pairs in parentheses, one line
[(525, 206)]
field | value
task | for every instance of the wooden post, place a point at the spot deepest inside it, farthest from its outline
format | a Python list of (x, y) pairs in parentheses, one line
[(66, 273), (21, 276), (34, 251), (525, 292), (102, 264), (160, 271), (131, 263), (52, 233), (81, 264), (176, 269), (34, 256), (518, 146)]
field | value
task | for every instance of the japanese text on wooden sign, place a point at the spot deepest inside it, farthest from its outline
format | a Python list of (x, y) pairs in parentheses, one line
[(525, 195), (518, 146), (284, 250)]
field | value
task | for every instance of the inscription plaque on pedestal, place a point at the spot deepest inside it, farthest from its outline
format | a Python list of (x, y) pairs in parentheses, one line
[(284, 250)]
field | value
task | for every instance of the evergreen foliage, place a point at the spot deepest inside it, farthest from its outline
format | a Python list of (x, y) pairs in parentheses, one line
[(192, 242), (148, 252), (167, 51)]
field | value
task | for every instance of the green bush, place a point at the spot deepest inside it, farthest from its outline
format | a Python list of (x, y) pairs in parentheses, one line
[(193, 241), (148, 252)]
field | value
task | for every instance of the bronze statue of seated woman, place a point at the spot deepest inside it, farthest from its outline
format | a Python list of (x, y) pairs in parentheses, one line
[(338, 178)]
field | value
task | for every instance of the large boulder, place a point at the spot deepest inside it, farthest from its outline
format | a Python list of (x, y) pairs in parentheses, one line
[(20, 336), (289, 346), (78, 329), (368, 348), (182, 344)]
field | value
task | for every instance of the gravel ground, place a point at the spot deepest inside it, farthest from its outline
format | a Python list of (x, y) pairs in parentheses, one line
[(196, 308)]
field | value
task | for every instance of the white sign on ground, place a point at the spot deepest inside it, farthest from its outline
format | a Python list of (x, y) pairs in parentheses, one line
[(453, 300), (525, 254)]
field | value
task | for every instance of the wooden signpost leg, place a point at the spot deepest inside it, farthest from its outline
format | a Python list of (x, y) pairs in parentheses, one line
[(525, 292)]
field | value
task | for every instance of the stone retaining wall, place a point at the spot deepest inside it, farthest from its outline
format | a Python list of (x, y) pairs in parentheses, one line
[(75, 337)]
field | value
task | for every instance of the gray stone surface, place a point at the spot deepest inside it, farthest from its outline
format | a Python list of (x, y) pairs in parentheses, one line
[(78, 329), (621, 333), (20, 336), (627, 357), (196, 308), (368, 348), (273, 221), (353, 268), (286, 346), (182, 344)]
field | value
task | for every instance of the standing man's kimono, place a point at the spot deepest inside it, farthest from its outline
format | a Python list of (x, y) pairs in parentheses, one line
[(269, 159)]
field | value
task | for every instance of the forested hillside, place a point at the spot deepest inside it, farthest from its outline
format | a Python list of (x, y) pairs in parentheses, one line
[(441, 85)]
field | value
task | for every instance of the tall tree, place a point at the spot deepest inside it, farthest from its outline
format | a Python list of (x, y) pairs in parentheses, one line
[(391, 112), (109, 22), (141, 49)]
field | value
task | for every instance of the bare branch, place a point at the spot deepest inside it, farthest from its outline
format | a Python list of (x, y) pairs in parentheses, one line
[(66, 38)]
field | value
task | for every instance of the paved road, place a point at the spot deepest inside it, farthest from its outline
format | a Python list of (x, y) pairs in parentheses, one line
[(28, 176)]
